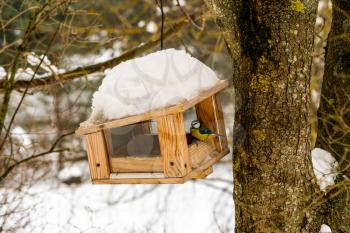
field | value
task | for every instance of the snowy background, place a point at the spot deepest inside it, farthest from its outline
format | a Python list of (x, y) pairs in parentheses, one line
[(54, 193), (197, 206)]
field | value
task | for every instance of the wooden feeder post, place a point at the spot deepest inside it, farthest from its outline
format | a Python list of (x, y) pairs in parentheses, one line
[(97, 156), (173, 145)]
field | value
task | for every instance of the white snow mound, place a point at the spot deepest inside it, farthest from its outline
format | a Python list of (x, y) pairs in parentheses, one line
[(325, 167), (325, 229), (157, 80)]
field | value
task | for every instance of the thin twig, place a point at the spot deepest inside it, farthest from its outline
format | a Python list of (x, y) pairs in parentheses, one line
[(10, 79), (188, 16), (31, 79), (82, 71), (49, 151)]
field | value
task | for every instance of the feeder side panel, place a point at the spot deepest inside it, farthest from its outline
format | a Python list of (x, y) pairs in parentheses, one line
[(173, 145), (209, 113), (97, 155)]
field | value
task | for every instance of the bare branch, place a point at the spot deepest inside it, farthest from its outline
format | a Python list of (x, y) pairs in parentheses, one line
[(27, 88), (49, 151), (82, 71), (200, 28)]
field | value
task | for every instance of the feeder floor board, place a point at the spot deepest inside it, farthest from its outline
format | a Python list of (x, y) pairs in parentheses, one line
[(198, 150), (158, 178), (138, 164)]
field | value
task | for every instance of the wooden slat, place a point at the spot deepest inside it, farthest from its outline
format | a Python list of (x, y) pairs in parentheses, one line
[(140, 178), (129, 120), (137, 164), (97, 155), (214, 158), (154, 113), (173, 145), (159, 178), (148, 175), (199, 151), (203, 174), (209, 113)]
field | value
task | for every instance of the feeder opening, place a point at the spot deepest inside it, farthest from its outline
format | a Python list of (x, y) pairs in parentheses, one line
[(134, 148), (137, 140)]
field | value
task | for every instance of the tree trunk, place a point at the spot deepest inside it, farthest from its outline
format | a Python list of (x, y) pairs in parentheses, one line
[(271, 45), (334, 112)]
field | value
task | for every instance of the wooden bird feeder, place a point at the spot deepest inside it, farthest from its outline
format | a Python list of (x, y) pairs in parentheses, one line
[(151, 148)]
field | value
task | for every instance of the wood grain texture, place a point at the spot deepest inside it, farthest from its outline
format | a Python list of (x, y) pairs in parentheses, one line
[(136, 164), (129, 120), (159, 178), (199, 151), (204, 173), (173, 145), (181, 107), (97, 155), (209, 113), (145, 178)]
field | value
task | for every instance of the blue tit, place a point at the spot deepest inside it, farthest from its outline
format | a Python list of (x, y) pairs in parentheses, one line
[(199, 132)]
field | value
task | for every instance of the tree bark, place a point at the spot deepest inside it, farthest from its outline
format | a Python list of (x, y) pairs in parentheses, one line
[(334, 113), (271, 44)]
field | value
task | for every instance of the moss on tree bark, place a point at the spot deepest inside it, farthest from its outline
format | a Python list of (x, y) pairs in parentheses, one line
[(271, 45)]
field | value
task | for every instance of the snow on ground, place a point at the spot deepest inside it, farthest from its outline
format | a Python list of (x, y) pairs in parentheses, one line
[(191, 207), (324, 167), (325, 229), (156, 80), (2, 72), (204, 205)]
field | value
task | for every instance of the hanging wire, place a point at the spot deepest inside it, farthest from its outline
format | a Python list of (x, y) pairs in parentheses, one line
[(162, 25)]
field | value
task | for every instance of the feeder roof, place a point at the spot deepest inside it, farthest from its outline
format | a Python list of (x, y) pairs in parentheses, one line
[(158, 80), (87, 127)]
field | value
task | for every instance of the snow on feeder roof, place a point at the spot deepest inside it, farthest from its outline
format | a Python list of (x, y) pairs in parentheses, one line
[(136, 131), (157, 80)]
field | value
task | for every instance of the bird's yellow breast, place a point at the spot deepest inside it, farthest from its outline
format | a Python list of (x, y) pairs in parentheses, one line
[(197, 134)]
